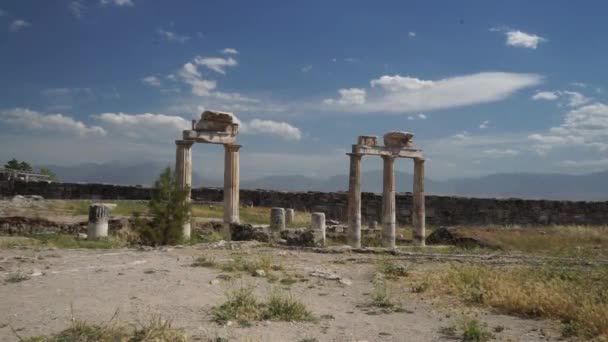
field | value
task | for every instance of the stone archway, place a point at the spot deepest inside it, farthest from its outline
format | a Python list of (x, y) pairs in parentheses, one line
[(213, 128), (396, 145)]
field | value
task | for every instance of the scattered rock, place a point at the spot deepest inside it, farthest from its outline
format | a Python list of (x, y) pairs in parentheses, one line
[(247, 232), (325, 275), (260, 273), (214, 281), (300, 237), (345, 281), (457, 236)]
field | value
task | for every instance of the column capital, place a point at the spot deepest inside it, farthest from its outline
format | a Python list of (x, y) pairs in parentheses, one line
[(186, 143), (392, 158), (419, 160), (232, 147), (355, 155)]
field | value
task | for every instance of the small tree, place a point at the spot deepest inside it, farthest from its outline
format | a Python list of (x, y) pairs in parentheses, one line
[(13, 164), (48, 172), (169, 209), (24, 166)]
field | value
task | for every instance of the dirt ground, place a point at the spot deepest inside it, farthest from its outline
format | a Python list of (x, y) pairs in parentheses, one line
[(134, 286)]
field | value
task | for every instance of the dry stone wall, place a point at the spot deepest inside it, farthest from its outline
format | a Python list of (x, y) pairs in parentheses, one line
[(440, 210)]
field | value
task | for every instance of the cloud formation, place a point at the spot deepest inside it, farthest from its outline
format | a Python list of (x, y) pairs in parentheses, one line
[(230, 51), (217, 64), (18, 25), (403, 94), (269, 127), (152, 81), (120, 3), (172, 36), (573, 98), (521, 39), (31, 120)]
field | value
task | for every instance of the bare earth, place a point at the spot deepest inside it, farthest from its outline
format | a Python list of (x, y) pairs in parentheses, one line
[(138, 285)]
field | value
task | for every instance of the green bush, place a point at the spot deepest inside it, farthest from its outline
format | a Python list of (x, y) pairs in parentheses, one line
[(169, 210)]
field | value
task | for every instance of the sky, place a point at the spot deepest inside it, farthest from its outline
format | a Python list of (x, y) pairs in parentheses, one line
[(486, 86)]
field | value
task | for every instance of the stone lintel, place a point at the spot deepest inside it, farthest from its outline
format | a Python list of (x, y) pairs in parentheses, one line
[(387, 151), (221, 138)]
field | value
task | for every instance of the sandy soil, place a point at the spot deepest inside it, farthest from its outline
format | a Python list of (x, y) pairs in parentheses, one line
[(96, 285)]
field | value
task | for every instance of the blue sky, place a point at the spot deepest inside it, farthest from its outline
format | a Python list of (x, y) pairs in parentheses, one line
[(486, 87)]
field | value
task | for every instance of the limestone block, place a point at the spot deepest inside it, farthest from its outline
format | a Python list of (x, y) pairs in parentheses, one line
[(398, 139), (318, 227), (367, 140), (290, 216), (98, 221), (215, 121), (277, 219)]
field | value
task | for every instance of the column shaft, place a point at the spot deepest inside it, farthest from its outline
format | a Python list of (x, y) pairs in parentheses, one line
[(231, 183), (418, 200), (354, 201), (388, 203), (183, 174)]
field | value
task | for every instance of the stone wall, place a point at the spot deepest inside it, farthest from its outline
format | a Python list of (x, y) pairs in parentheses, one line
[(440, 210)]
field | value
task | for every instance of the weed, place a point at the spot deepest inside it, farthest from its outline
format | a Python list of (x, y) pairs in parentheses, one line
[(203, 261), (391, 270), (16, 277), (474, 331), (240, 305), (286, 308)]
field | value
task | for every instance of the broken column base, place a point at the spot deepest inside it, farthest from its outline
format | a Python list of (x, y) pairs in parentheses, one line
[(302, 237)]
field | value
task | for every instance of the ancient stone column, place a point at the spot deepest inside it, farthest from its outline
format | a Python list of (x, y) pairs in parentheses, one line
[(183, 174), (388, 203), (231, 183), (98, 221), (418, 200), (277, 219), (290, 216), (317, 222), (354, 201)]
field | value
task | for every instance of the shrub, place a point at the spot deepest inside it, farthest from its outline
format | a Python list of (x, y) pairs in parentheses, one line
[(286, 308), (169, 209)]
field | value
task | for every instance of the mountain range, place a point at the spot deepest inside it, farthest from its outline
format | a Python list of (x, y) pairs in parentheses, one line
[(593, 186)]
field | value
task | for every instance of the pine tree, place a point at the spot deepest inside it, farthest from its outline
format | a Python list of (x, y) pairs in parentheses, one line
[(169, 209)]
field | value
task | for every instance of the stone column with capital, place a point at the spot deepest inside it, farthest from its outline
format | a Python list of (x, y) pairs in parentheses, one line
[(419, 217), (388, 203), (354, 201), (183, 174), (231, 183)]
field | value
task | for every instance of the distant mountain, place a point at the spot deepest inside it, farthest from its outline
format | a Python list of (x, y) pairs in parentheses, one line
[(592, 186)]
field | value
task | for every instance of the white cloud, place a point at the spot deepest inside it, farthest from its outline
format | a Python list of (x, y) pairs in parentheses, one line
[(216, 64), (461, 136), (172, 36), (521, 39), (307, 68), (125, 3), (146, 124), (269, 127), (152, 81), (190, 75), (32, 120), (584, 163), (484, 124), (584, 126), (500, 153), (573, 98), (417, 117), (411, 34), (351, 96), (76, 7), (403, 94), (546, 95), (18, 24), (396, 83), (230, 51)]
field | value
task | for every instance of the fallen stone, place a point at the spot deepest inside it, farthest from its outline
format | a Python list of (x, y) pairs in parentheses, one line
[(247, 232), (325, 275), (214, 281), (345, 281), (260, 273), (300, 237), (458, 236)]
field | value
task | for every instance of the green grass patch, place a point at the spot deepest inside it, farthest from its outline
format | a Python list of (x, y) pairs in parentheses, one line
[(243, 306), (157, 330), (16, 277), (70, 241)]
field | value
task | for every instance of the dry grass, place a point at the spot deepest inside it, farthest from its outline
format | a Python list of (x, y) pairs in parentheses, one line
[(570, 241), (577, 297), (157, 330)]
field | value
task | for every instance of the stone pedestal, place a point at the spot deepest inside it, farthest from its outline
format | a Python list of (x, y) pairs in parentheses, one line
[(354, 201), (277, 219), (388, 203), (290, 216), (183, 174), (419, 218), (317, 222), (231, 183), (98, 221)]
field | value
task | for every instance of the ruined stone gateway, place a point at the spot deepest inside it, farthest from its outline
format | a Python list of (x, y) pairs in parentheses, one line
[(396, 145), (214, 127)]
